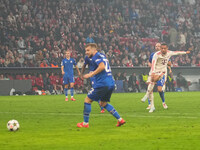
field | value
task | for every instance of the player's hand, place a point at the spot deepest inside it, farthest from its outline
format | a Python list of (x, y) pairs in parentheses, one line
[(81, 76), (187, 52), (63, 72), (88, 75)]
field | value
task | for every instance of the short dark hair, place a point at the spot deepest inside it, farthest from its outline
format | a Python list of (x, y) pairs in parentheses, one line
[(163, 44)]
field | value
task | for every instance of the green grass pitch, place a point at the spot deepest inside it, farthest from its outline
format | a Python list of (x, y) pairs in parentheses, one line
[(49, 123)]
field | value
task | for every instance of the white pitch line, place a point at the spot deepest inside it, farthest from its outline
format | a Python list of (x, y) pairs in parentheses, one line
[(74, 114)]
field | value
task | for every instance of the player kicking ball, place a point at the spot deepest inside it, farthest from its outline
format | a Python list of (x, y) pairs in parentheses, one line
[(160, 83), (103, 85), (159, 69), (68, 72)]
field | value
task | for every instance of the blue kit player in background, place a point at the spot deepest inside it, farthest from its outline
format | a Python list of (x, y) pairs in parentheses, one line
[(88, 61), (103, 87), (161, 82), (68, 72)]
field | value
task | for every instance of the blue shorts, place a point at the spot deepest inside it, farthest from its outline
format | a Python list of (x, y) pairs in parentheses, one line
[(161, 82), (102, 93), (67, 79)]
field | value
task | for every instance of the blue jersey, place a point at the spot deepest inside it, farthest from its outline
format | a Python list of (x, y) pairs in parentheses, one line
[(151, 57), (103, 78), (68, 66), (88, 61)]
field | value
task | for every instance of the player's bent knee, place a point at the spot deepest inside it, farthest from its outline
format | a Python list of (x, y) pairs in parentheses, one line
[(88, 100), (103, 104), (159, 88)]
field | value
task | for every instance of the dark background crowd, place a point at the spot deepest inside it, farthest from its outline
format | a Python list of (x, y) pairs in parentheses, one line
[(35, 33)]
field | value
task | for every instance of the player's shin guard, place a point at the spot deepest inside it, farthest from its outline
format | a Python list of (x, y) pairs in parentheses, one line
[(72, 92), (66, 92), (86, 112), (151, 98), (150, 89), (112, 110), (162, 96)]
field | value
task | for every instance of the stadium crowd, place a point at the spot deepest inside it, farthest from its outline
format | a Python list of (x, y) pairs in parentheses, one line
[(36, 33)]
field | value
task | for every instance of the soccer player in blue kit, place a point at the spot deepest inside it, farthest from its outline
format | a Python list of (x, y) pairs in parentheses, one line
[(88, 61), (68, 72), (103, 87)]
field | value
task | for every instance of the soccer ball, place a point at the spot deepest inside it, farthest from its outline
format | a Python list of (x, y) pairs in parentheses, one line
[(13, 125)]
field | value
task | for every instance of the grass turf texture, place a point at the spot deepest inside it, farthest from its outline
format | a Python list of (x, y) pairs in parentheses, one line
[(48, 122)]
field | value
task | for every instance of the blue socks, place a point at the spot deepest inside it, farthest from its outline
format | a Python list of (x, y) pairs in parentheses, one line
[(112, 110), (72, 91), (86, 112), (149, 101), (162, 96), (66, 92)]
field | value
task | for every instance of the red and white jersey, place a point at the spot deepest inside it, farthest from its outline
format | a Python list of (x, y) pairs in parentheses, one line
[(159, 62)]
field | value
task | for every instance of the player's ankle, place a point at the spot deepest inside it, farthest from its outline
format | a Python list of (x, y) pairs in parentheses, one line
[(119, 119), (85, 123)]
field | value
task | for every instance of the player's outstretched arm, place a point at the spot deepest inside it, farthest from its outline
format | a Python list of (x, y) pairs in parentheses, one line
[(179, 52), (99, 69)]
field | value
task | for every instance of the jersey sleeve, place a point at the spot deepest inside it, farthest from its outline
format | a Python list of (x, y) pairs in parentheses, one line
[(151, 57), (99, 60), (172, 53), (154, 60), (86, 61)]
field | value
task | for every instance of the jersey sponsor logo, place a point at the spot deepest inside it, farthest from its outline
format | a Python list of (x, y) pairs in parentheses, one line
[(70, 61)]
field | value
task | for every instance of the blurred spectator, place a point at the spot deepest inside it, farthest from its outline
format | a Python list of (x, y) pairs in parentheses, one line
[(133, 83), (1, 62), (44, 64), (89, 39), (47, 83), (118, 76), (1, 77), (116, 26), (80, 62), (39, 83), (53, 79), (17, 63), (54, 64), (29, 77), (125, 81), (143, 79), (12, 63), (181, 81), (170, 83)]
